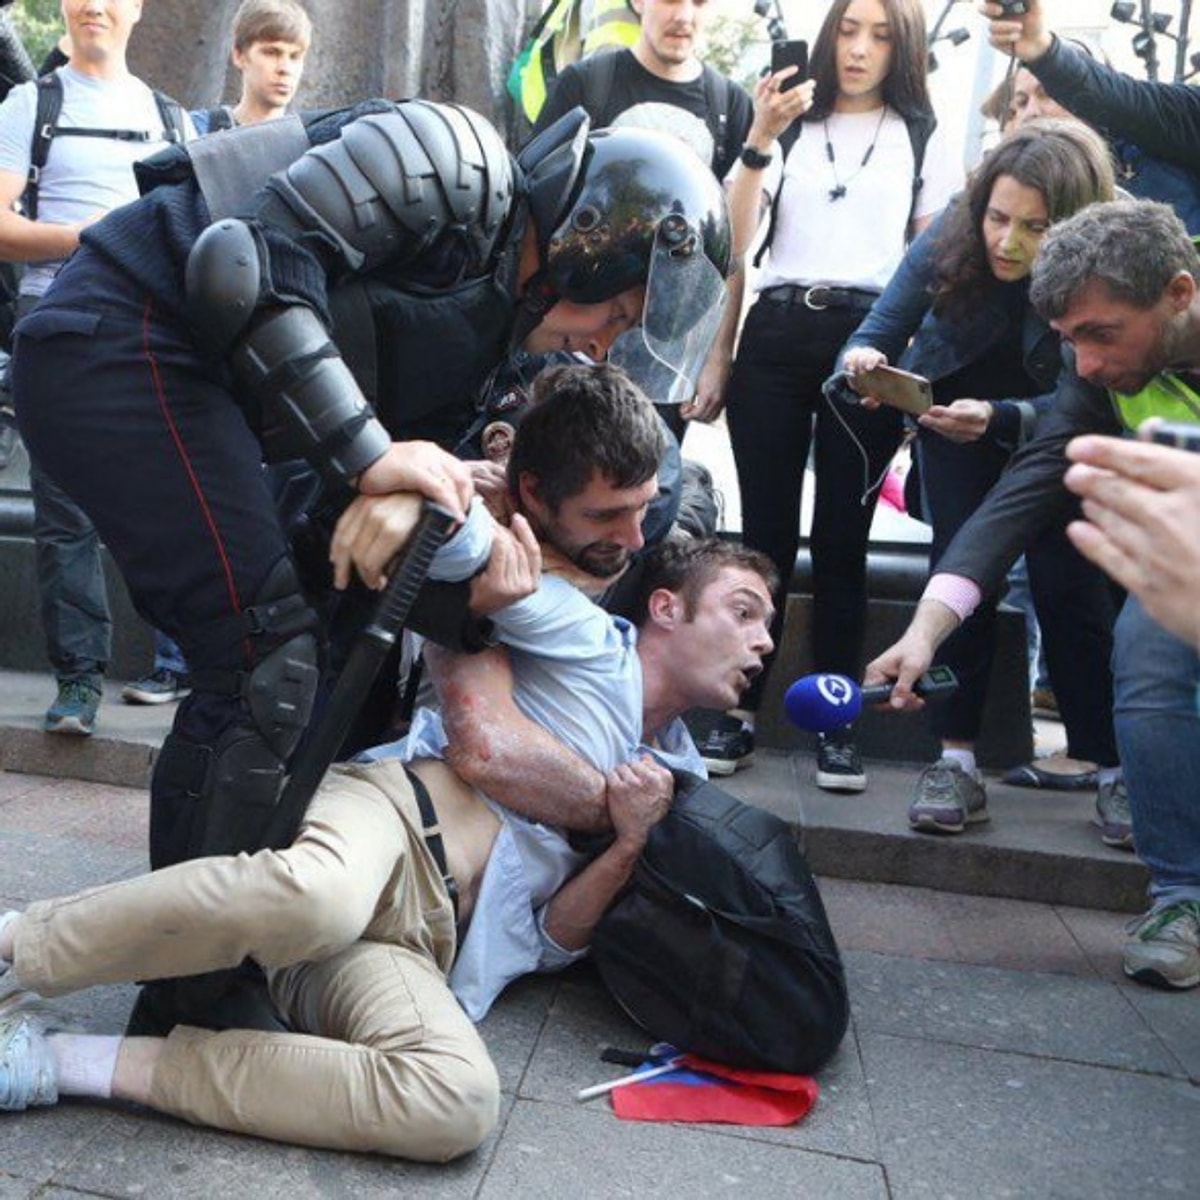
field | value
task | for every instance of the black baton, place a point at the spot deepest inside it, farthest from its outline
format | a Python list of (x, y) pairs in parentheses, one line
[(371, 648)]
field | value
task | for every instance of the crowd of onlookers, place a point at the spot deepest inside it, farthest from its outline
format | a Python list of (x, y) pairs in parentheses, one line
[(1037, 309)]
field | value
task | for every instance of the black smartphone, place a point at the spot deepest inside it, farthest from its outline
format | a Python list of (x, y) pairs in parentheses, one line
[(790, 54), (1013, 8), (1177, 433)]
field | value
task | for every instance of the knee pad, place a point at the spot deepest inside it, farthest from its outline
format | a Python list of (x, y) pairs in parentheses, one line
[(217, 795)]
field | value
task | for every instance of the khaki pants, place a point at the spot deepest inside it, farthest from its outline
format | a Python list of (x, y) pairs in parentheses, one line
[(356, 931)]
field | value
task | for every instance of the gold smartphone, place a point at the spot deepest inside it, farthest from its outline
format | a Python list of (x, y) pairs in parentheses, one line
[(901, 389)]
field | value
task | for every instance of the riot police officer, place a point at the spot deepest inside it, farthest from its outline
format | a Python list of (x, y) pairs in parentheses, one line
[(189, 339)]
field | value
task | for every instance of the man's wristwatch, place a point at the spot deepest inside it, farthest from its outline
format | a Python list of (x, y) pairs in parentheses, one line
[(756, 160)]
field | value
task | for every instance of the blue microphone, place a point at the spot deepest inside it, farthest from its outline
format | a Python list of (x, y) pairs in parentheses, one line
[(823, 703)]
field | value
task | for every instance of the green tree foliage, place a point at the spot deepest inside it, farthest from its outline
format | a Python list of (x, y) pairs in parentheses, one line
[(738, 47), (40, 24)]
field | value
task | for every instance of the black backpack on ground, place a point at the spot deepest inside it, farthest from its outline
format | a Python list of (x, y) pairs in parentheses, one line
[(720, 945)]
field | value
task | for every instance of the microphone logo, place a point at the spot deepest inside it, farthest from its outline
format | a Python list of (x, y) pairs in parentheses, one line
[(837, 690)]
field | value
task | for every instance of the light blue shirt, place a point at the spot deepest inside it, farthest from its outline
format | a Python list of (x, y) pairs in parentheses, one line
[(576, 672)]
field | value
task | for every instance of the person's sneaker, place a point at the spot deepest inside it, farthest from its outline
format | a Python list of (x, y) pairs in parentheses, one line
[(159, 687), (74, 710), (947, 799), (27, 1069), (8, 437), (1165, 948), (1044, 704), (728, 746), (1113, 816), (839, 765)]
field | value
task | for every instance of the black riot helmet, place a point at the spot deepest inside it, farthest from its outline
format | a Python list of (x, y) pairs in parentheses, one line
[(618, 208)]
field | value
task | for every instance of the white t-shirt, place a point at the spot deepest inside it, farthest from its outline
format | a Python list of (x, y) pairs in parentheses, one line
[(82, 175), (858, 239)]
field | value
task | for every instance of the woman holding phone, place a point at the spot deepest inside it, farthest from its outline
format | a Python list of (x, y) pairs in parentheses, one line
[(865, 170), (957, 312)]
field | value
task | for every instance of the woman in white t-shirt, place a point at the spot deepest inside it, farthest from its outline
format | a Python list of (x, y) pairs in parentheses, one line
[(849, 196)]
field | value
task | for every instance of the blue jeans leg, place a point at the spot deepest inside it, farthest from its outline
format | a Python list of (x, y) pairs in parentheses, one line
[(74, 602), (167, 655), (1155, 676)]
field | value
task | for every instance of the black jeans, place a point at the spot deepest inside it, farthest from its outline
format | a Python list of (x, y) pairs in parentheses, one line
[(775, 411), (1075, 603)]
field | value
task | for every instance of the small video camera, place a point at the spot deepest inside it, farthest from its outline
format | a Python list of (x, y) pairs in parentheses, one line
[(1012, 8)]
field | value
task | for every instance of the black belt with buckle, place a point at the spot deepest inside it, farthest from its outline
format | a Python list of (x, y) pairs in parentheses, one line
[(819, 296), (433, 834)]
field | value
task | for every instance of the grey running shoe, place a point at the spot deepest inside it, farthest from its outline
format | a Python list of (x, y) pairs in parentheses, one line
[(1165, 948), (947, 799), (74, 709), (1112, 814), (27, 1068), (839, 765), (159, 687)]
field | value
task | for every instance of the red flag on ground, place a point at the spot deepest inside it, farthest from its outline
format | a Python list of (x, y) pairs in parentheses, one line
[(700, 1090)]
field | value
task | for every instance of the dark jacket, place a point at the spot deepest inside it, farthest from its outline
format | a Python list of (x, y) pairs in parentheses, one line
[(1154, 127), (940, 346), (1030, 494)]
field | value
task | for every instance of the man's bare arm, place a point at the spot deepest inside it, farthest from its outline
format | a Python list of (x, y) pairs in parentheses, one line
[(23, 240), (639, 795), (494, 747)]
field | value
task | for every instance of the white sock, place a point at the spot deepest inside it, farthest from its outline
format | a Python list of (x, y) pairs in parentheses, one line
[(6, 919), (86, 1063), (964, 758)]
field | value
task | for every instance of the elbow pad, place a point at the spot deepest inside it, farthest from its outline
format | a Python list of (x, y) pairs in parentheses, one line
[(311, 406)]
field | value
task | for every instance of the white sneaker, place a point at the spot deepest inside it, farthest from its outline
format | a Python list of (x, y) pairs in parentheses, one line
[(1165, 948)]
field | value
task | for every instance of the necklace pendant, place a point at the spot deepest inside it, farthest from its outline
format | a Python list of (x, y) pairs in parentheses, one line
[(838, 192)]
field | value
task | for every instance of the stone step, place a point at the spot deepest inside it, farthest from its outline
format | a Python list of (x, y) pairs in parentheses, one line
[(1038, 845)]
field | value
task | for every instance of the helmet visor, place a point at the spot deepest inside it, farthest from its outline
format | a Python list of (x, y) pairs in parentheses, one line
[(685, 298)]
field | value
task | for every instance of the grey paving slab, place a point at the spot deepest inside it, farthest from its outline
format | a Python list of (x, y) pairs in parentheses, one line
[(583, 1021), (958, 1122), (114, 816), (1099, 935), (1053, 1016), (17, 1189), (552, 1151), (922, 923), (35, 1146), (144, 1154), (98, 1009), (34, 866), (1175, 1018), (512, 1028)]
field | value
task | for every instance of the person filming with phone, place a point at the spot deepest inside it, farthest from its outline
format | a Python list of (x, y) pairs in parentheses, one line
[(849, 181), (1118, 282), (962, 297)]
